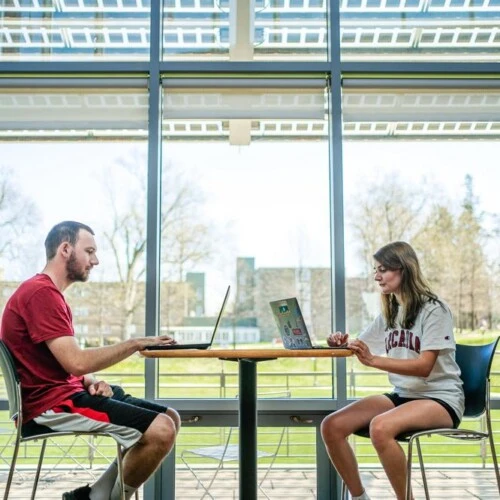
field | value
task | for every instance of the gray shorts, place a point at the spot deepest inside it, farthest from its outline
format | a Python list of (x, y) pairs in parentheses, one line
[(122, 416)]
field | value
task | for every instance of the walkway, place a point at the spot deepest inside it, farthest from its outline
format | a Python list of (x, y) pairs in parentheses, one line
[(292, 484)]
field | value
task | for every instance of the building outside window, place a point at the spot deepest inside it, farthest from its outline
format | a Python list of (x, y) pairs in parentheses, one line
[(270, 145)]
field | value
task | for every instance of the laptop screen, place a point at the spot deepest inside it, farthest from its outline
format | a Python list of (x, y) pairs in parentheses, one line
[(290, 323)]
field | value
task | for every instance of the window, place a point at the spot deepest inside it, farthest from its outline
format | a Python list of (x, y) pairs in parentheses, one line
[(407, 30), (62, 161), (271, 237), (74, 31), (244, 30), (417, 168)]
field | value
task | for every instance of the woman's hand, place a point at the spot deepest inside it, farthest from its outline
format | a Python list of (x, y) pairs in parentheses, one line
[(362, 352), (337, 339)]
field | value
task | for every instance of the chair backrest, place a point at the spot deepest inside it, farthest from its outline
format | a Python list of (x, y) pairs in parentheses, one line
[(11, 379), (475, 364)]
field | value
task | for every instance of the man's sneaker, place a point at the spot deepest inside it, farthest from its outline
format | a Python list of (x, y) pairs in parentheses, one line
[(82, 493)]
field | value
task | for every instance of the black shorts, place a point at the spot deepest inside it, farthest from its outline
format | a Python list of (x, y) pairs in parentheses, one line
[(398, 401), (122, 415)]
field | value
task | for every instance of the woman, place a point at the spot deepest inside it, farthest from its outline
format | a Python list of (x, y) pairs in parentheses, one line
[(414, 332)]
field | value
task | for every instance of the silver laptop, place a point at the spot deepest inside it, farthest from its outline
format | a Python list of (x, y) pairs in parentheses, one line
[(200, 345), (292, 327)]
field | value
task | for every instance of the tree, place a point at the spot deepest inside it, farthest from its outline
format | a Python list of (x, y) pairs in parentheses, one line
[(386, 210), (472, 281), (451, 244), (18, 218), (436, 246), (185, 238), (493, 315)]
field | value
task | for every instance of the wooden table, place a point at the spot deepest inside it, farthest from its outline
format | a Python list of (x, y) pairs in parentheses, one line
[(247, 376)]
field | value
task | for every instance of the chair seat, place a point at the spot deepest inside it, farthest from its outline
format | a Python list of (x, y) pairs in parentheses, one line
[(365, 433), (13, 386), (464, 434), (475, 363), (217, 452)]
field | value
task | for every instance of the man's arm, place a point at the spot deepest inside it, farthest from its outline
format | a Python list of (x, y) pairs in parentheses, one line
[(80, 362)]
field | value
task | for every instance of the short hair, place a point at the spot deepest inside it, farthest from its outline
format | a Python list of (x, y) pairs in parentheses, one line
[(64, 231)]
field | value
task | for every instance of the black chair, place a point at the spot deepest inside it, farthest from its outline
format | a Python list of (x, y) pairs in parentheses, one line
[(475, 365), (13, 386)]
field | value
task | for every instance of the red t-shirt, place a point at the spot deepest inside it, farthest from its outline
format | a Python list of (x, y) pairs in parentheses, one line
[(36, 312)]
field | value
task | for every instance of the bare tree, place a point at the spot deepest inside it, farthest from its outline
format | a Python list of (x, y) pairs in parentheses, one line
[(383, 211), (439, 253), (493, 316), (185, 238), (450, 243), (473, 281), (18, 217)]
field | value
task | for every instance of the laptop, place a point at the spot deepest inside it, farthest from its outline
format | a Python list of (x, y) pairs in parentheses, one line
[(200, 345), (292, 327)]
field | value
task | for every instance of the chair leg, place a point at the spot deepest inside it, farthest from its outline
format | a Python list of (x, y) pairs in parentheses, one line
[(119, 461), (184, 461), (271, 463), (493, 453), (11, 470), (422, 470), (408, 469), (214, 477), (38, 469)]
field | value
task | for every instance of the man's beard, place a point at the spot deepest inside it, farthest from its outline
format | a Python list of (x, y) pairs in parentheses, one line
[(73, 271)]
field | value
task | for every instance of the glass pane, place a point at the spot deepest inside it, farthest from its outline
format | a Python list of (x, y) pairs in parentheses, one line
[(467, 456), (418, 168), (283, 452), (81, 113), (411, 30), (74, 30), (54, 169), (245, 30), (238, 211)]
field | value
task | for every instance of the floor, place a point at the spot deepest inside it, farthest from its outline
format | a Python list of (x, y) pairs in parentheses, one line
[(292, 484)]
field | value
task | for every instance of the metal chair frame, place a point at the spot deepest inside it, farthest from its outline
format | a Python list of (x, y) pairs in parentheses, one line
[(229, 452), (13, 385), (475, 364)]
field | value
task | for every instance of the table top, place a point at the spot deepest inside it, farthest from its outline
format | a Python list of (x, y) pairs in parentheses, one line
[(248, 353)]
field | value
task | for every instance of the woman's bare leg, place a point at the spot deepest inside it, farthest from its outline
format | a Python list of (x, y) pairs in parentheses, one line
[(414, 415), (338, 426)]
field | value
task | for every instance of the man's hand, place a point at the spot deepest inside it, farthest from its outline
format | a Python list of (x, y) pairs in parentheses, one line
[(100, 388), (337, 339), (161, 340)]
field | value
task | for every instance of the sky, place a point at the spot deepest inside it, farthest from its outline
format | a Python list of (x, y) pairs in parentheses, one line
[(268, 200)]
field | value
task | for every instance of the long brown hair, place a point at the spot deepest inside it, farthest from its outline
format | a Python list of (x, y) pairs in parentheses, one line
[(415, 291)]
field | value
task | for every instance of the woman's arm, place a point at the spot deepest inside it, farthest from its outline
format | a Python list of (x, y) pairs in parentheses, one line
[(417, 367)]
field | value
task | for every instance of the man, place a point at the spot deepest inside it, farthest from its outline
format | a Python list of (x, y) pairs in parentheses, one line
[(58, 389)]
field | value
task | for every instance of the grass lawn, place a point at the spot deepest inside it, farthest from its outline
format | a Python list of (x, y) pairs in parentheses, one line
[(304, 378)]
